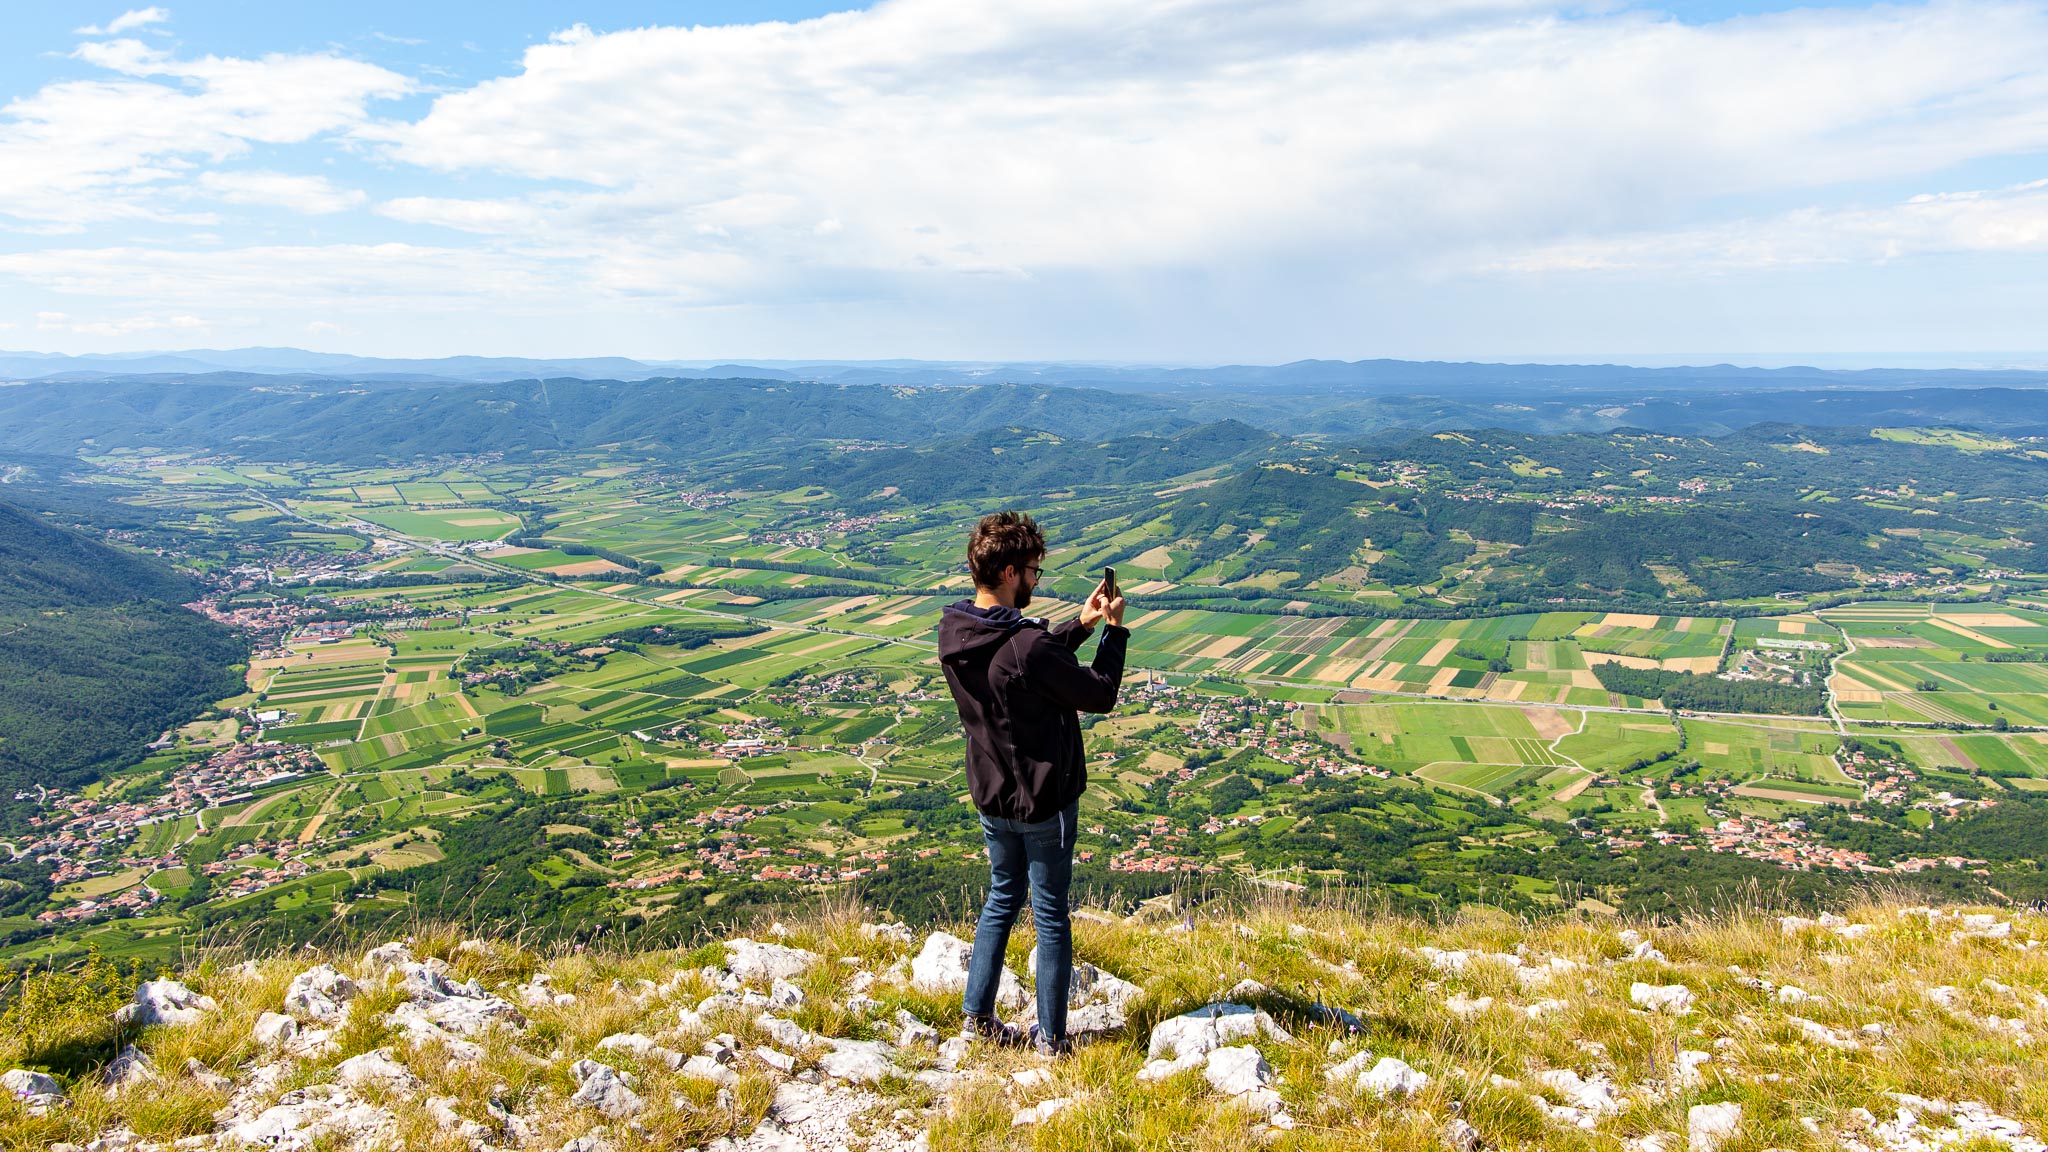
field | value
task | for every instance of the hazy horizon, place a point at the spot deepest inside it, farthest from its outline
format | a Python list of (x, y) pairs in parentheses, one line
[(1831, 361)]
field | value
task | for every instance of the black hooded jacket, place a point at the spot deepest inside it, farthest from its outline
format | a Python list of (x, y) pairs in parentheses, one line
[(1018, 685)]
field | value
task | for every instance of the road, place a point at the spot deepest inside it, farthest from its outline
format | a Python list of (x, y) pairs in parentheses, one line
[(1827, 683)]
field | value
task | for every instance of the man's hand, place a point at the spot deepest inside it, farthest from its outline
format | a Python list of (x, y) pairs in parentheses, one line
[(1092, 611), (1102, 606)]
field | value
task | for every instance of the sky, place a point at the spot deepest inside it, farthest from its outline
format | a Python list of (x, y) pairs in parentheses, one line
[(1173, 181)]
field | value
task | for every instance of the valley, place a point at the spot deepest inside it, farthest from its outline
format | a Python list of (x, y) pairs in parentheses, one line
[(614, 694)]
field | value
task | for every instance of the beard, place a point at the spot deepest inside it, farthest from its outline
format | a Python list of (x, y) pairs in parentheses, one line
[(1023, 596)]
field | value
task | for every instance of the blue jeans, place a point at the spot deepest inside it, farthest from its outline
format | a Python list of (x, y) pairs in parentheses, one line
[(1038, 860)]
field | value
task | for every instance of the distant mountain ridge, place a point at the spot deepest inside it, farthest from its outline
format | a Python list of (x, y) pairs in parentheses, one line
[(1376, 376), (322, 418)]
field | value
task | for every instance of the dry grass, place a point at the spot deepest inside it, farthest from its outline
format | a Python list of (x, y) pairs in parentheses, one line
[(1796, 1093)]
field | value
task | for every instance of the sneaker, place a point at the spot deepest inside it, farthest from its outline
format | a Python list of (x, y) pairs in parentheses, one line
[(994, 1031), (1048, 1046)]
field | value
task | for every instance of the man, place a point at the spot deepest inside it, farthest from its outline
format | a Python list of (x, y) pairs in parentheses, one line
[(1018, 685)]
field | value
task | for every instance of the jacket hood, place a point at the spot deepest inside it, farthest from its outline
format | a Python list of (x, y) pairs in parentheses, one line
[(965, 627)]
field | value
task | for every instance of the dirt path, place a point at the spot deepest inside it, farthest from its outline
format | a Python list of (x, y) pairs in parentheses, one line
[(1649, 799), (327, 806)]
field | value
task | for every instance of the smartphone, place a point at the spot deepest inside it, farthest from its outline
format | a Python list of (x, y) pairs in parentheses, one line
[(1109, 582)]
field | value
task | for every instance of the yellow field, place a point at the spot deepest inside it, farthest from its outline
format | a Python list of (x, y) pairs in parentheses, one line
[(1948, 623), (582, 568)]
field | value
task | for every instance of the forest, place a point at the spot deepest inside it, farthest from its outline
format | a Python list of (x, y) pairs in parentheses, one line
[(1689, 692), (96, 656)]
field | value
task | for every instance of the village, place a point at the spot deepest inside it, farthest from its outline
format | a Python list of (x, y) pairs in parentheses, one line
[(86, 837)]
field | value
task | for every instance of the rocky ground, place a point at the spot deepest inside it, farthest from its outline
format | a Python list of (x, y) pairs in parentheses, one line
[(1890, 1029)]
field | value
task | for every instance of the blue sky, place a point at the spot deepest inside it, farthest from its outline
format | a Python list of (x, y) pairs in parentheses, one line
[(1191, 181)]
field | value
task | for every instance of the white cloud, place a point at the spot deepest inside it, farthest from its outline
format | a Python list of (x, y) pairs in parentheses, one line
[(490, 217), (2004, 220), (311, 195), (919, 153), (127, 21), (82, 152), (1109, 135)]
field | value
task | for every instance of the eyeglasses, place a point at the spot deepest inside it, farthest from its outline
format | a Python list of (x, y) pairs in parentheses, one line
[(1035, 569)]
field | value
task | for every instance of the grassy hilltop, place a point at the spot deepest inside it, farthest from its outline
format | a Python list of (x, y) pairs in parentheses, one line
[(1888, 1027)]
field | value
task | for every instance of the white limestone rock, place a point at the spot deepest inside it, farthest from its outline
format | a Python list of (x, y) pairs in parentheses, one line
[(786, 1034), (858, 1061), (538, 992), (604, 1089), (1815, 1032), (1595, 1097), (38, 1091), (759, 963), (1393, 1076), (165, 1002), (131, 1069), (1707, 1126), (310, 1117), (1671, 999), (1237, 1070), (1349, 1069), (1095, 1019), (709, 1068), (1091, 984), (1040, 1112), (1205, 1029), (898, 932), (377, 1067), (379, 961), (941, 966), (1157, 1070), (420, 1030), (22, 1082), (911, 1030), (464, 1009), (274, 1030), (319, 993)]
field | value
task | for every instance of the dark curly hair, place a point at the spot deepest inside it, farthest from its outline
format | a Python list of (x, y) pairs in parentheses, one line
[(1003, 540)]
